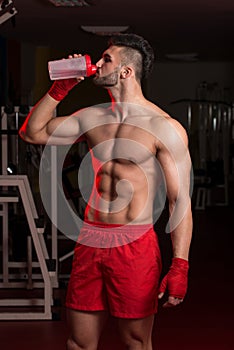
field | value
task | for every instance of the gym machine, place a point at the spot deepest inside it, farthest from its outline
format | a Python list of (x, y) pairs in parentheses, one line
[(210, 126), (38, 271)]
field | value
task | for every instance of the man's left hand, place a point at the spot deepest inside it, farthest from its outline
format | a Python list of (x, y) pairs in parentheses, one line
[(176, 282)]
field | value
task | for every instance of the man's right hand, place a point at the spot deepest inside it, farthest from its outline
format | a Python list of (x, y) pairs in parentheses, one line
[(61, 88)]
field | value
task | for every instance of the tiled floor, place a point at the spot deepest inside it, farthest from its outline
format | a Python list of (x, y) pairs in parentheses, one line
[(205, 321)]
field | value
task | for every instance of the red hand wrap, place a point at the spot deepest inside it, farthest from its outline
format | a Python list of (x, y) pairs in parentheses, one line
[(176, 280), (60, 88)]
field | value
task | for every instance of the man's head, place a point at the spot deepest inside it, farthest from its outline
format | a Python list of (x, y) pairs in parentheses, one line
[(125, 52), (135, 50)]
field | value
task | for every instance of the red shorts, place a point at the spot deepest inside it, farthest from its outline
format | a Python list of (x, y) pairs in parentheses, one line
[(122, 280)]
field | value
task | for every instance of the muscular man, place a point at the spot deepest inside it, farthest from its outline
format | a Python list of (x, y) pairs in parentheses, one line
[(135, 146)]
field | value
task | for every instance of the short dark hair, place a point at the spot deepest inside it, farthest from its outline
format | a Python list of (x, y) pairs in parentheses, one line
[(134, 45)]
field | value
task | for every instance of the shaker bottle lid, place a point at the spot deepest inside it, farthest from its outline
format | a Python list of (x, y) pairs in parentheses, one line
[(90, 68)]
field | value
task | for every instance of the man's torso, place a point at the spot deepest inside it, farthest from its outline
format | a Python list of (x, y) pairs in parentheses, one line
[(126, 170)]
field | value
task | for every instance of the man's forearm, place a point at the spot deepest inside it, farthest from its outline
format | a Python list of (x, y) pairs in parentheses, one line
[(37, 120), (39, 124), (181, 236)]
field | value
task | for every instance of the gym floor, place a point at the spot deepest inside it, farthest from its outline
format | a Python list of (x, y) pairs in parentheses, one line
[(203, 322)]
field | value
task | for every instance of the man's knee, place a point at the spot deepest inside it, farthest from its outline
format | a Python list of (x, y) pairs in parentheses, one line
[(136, 333), (73, 344), (134, 344), (136, 340)]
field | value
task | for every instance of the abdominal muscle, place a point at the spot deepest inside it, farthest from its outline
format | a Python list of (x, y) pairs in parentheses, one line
[(122, 194)]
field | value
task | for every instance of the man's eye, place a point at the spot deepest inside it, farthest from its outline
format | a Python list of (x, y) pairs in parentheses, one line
[(107, 59)]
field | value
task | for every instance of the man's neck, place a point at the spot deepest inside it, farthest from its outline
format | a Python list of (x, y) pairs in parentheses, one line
[(131, 93)]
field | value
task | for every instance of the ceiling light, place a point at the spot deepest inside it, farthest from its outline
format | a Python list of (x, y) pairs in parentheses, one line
[(7, 10), (72, 3), (4, 4), (104, 30), (189, 57)]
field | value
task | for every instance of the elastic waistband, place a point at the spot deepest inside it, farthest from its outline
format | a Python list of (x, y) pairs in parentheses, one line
[(98, 226), (103, 235)]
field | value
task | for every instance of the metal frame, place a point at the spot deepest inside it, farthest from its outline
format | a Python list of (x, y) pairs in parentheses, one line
[(22, 183), (45, 280), (214, 126)]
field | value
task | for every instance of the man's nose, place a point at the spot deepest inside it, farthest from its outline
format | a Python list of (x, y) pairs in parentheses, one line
[(99, 63)]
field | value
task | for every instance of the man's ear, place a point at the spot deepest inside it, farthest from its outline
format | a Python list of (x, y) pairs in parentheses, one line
[(126, 72)]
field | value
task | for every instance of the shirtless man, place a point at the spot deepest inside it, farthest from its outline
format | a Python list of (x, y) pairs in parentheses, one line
[(134, 144)]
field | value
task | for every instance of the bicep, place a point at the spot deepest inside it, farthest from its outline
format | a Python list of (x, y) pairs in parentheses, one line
[(176, 171), (63, 130), (173, 156)]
